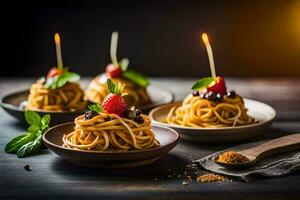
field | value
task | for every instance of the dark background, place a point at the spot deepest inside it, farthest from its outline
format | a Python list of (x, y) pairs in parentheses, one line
[(161, 38)]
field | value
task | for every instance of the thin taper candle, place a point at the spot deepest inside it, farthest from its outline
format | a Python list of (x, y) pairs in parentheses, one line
[(210, 55), (58, 51), (113, 48)]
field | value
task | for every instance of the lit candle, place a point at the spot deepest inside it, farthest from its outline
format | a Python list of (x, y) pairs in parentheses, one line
[(113, 48), (210, 55), (58, 51)]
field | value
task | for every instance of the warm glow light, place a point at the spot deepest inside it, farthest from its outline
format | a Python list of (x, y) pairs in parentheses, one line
[(58, 51), (210, 55), (56, 38), (205, 38)]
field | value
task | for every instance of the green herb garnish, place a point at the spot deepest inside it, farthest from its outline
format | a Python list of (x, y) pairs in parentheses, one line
[(130, 75), (202, 83), (96, 107), (60, 80), (115, 88), (136, 77), (30, 142)]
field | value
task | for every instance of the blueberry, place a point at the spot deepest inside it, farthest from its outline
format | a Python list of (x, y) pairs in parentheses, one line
[(195, 93), (130, 114), (231, 94), (219, 97), (210, 96), (90, 114), (139, 119), (137, 112)]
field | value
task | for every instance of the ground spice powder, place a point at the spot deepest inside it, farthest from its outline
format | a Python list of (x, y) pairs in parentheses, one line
[(232, 157), (211, 178)]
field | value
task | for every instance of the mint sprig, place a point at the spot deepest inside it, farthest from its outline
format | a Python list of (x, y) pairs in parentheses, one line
[(96, 107), (30, 142), (114, 88), (60, 80), (203, 83)]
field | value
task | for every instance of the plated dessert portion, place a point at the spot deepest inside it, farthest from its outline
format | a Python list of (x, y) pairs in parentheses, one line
[(211, 113), (58, 91), (112, 126), (210, 105), (135, 83), (111, 135)]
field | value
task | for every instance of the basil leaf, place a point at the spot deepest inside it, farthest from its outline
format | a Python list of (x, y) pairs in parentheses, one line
[(202, 83), (67, 77), (45, 121), (14, 145), (124, 64), (51, 83), (136, 77), (33, 128), (61, 80), (31, 147), (32, 118), (96, 107)]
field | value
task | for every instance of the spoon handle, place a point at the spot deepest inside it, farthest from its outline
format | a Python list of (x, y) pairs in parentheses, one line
[(282, 144)]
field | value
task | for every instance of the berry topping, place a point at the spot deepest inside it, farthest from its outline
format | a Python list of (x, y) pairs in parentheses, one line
[(113, 71), (218, 86), (90, 114), (219, 97), (139, 119), (114, 102), (130, 114), (54, 72), (231, 94), (210, 96), (137, 112), (195, 93)]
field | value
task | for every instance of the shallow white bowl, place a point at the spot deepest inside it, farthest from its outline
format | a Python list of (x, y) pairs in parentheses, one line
[(262, 112)]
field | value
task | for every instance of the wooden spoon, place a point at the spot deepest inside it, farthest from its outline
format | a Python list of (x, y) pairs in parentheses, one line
[(278, 145)]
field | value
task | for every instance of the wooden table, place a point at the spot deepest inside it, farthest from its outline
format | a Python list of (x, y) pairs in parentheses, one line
[(52, 177)]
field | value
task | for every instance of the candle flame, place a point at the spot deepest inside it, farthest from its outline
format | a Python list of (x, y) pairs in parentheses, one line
[(56, 38), (205, 38)]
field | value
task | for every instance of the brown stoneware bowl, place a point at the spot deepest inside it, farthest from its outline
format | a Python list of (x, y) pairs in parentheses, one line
[(12, 105), (167, 137)]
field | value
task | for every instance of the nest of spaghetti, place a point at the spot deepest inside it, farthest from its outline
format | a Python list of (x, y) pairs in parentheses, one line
[(136, 95), (69, 97), (198, 111), (110, 132)]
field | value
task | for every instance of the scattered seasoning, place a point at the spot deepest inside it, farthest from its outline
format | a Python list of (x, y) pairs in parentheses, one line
[(211, 178), (27, 167), (231, 157)]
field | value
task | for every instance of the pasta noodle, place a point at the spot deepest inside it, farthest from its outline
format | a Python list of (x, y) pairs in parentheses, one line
[(198, 112), (69, 97), (110, 132), (136, 96)]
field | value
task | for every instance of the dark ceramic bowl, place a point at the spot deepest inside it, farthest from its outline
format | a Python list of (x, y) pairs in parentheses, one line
[(167, 137), (11, 104)]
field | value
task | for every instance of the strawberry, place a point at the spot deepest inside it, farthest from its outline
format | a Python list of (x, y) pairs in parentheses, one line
[(54, 72), (113, 71), (218, 86), (114, 102)]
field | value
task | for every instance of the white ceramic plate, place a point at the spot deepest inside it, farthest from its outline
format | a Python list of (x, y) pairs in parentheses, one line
[(262, 112)]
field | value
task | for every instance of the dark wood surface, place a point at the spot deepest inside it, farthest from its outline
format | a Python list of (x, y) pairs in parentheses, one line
[(51, 177)]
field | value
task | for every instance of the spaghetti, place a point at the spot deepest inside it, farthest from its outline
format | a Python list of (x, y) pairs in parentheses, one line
[(69, 97), (106, 132), (136, 95), (196, 111)]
